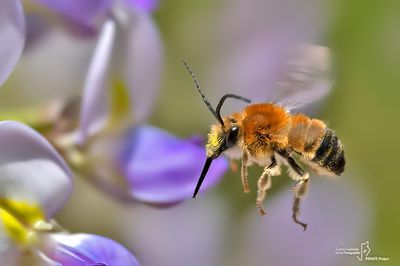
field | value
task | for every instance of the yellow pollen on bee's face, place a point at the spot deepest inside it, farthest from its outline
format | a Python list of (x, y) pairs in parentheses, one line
[(19, 220), (213, 143)]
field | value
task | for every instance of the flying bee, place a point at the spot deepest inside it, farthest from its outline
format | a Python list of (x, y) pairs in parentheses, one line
[(267, 134)]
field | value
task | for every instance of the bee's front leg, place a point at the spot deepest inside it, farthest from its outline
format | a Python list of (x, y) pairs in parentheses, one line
[(245, 182)]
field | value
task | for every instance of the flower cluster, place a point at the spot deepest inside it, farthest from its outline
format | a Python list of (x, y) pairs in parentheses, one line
[(36, 182)]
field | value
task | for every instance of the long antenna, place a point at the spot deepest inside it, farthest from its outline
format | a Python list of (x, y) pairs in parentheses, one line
[(197, 84), (221, 102)]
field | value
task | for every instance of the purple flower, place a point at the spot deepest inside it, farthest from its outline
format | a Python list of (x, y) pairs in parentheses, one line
[(128, 23), (12, 36), (166, 173), (137, 57), (35, 183), (158, 168), (161, 168), (130, 40)]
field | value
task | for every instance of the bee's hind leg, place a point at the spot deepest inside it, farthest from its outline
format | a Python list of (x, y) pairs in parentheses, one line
[(300, 190), (264, 183)]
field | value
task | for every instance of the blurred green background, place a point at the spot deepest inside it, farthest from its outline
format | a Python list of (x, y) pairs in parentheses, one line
[(365, 107)]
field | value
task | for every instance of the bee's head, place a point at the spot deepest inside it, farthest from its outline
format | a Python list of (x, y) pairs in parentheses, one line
[(222, 136)]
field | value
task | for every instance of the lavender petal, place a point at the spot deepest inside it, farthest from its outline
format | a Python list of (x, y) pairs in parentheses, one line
[(12, 36), (95, 104), (84, 12), (87, 249), (163, 169), (143, 55)]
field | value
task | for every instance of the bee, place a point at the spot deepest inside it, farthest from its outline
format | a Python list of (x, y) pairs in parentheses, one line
[(267, 134)]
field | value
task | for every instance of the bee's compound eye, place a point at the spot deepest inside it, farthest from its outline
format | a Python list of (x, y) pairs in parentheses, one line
[(232, 136)]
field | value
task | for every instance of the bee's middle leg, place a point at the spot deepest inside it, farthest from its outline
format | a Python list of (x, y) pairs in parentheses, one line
[(264, 183)]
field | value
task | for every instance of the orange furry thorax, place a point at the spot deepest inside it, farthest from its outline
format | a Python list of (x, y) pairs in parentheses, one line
[(265, 126)]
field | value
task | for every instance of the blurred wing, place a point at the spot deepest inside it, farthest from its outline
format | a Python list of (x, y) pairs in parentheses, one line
[(306, 76)]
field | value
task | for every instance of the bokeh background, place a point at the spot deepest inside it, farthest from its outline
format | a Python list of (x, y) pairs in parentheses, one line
[(222, 227)]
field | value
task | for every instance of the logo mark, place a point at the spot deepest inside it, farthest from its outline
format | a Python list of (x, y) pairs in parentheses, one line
[(362, 253), (365, 250)]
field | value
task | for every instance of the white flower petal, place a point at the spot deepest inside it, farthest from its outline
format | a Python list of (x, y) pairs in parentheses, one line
[(12, 36), (31, 170), (95, 102), (143, 63)]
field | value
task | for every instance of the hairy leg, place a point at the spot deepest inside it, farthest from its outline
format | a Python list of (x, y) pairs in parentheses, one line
[(245, 182), (300, 190), (264, 183)]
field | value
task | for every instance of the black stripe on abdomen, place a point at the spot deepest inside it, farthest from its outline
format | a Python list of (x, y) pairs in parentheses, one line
[(330, 154)]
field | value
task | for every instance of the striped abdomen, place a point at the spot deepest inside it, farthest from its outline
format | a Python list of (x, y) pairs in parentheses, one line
[(317, 143)]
